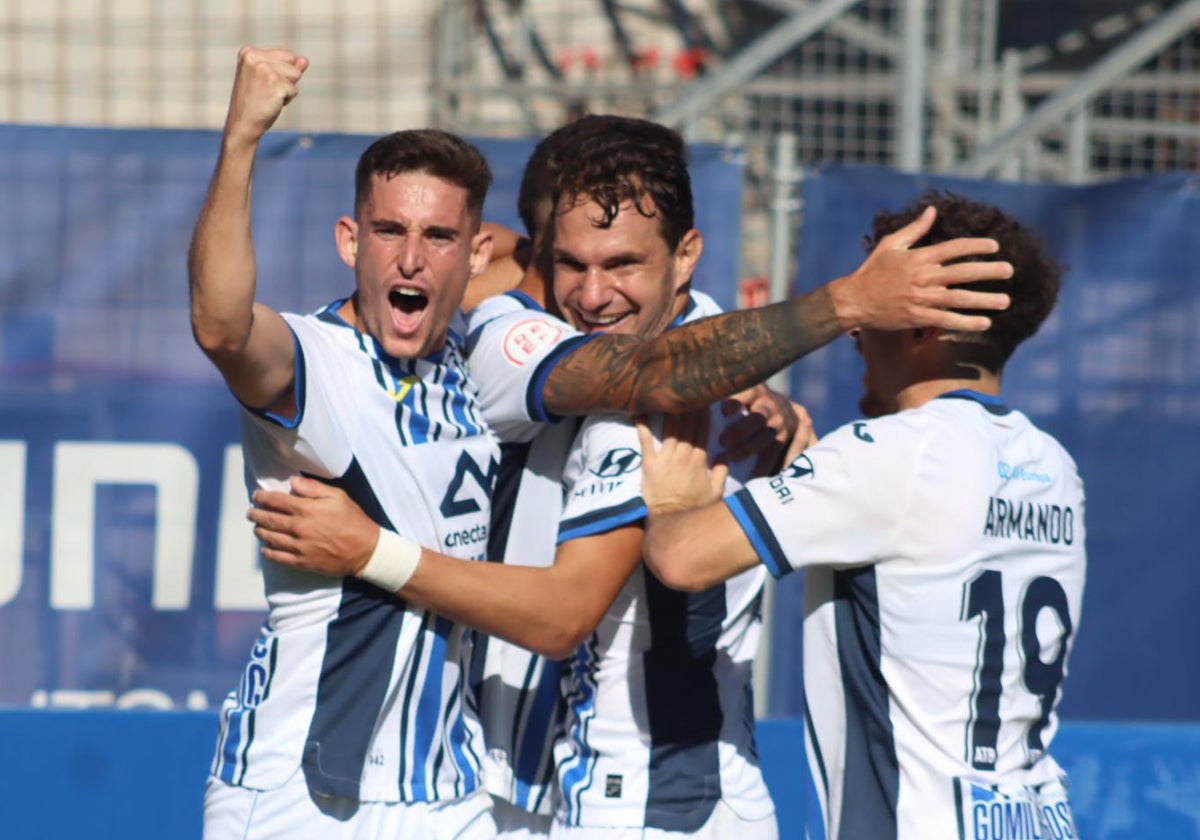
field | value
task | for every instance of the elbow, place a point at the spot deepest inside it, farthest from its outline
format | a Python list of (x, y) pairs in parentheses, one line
[(561, 641), (215, 338), (672, 567)]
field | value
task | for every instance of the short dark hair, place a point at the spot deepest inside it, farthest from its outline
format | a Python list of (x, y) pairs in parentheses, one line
[(437, 153), (611, 160), (1036, 279)]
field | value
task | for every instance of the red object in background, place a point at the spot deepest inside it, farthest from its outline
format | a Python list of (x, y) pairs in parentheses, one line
[(691, 62), (754, 291), (645, 60)]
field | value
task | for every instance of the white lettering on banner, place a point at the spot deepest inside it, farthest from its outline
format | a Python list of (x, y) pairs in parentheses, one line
[(12, 517), (78, 468), (239, 583), (135, 698)]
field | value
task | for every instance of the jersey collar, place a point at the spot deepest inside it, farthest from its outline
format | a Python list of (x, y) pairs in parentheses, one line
[(991, 403)]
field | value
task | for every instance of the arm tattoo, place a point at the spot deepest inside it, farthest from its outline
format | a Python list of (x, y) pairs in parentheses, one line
[(692, 365)]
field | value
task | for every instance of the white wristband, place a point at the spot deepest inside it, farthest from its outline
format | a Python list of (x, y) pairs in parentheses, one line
[(392, 563)]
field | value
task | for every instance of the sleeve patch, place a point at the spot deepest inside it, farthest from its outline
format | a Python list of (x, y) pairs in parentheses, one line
[(523, 341)]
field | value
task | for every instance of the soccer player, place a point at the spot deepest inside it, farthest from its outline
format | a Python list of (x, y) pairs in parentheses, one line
[(349, 721), (943, 548), (647, 254), (323, 732)]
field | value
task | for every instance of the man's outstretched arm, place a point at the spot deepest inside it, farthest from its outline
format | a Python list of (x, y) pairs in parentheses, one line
[(548, 609), (896, 287)]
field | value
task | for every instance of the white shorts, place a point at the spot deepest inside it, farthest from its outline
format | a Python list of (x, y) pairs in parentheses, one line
[(722, 825), (236, 813), (513, 823)]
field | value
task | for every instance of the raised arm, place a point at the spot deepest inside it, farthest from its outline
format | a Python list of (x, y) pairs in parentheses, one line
[(896, 287), (249, 343)]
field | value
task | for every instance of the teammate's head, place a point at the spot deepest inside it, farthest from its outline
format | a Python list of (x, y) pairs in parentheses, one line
[(415, 238), (1033, 289), (624, 241)]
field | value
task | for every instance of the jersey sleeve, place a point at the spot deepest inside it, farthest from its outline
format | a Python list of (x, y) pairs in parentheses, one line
[(840, 503), (510, 356), (316, 438), (602, 481)]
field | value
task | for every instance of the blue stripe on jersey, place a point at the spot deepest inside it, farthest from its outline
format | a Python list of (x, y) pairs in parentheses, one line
[(513, 457), (428, 704), (992, 403), (359, 657), (762, 538), (575, 774), (816, 801), (545, 714), (458, 401), (871, 779), (456, 726), (534, 404), (683, 707), (602, 521)]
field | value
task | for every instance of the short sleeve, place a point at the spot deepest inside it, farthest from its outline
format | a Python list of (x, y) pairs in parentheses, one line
[(510, 352), (602, 481), (840, 503)]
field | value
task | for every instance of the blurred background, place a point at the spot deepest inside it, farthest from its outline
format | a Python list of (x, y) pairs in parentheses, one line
[(128, 578)]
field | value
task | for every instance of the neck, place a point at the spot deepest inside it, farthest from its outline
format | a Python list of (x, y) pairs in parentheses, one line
[(919, 393)]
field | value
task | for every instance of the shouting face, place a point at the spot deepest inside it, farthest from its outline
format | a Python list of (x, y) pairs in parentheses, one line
[(413, 247)]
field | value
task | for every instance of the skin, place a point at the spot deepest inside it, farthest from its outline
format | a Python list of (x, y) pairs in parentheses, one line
[(412, 232), (623, 279), (550, 610), (896, 287), (692, 539)]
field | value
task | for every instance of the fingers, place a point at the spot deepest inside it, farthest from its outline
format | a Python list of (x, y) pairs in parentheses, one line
[(911, 233), (971, 272), (718, 474), (953, 321), (956, 249), (970, 299), (645, 436)]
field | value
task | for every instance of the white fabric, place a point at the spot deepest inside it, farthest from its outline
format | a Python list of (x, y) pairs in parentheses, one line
[(907, 528), (665, 681), (361, 690), (238, 813)]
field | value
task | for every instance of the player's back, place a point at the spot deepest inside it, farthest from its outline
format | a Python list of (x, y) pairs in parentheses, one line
[(934, 669), (361, 690)]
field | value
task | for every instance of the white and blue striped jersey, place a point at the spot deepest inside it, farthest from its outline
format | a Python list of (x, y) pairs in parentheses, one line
[(660, 722), (359, 689), (513, 343), (944, 560)]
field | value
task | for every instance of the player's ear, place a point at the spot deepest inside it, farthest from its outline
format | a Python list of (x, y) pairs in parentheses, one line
[(687, 254), (346, 234), (481, 251)]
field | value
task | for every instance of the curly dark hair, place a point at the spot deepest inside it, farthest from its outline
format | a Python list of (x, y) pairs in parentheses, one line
[(610, 159), (437, 153), (536, 194), (1033, 288)]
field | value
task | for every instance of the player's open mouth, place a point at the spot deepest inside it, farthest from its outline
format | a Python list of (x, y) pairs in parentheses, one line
[(408, 305)]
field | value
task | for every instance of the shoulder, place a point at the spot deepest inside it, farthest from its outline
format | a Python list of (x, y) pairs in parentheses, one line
[(520, 330)]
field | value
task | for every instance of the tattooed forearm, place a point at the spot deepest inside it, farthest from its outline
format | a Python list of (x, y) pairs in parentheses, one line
[(692, 365)]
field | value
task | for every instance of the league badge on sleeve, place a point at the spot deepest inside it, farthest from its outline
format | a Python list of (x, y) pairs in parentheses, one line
[(523, 341)]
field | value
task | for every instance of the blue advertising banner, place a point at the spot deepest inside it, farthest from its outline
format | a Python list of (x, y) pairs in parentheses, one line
[(128, 574), (1113, 374)]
